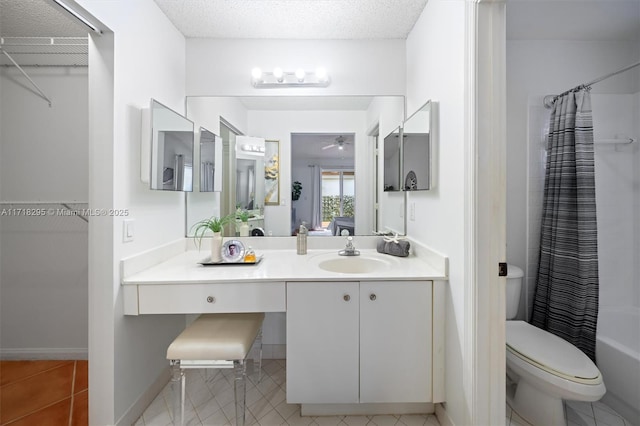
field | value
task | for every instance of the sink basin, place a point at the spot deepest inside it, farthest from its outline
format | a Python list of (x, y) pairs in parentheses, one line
[(354, 265)]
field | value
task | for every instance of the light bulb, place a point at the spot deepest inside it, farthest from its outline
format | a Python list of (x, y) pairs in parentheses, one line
[(278, 73), (321, 74), (300, 75), (256, 73), (341, 147)]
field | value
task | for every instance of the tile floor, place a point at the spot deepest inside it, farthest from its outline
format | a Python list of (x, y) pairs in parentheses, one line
[(44, 393), (579, 413), (210, 402)]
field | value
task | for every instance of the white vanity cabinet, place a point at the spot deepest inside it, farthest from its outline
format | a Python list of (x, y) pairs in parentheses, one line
[(359, 342)]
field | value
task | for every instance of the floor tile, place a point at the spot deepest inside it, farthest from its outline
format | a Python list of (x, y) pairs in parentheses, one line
[(23, 397), (413, 420), (81, 382), (80, 409), (10, 371), (357, 420), (383, 420), (606, 418), (54, 415), (327, 420)]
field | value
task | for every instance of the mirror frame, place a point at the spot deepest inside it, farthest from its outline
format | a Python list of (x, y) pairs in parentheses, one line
[(417, 158)]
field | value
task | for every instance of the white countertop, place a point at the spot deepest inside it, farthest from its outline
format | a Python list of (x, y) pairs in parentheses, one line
[(280, 265)]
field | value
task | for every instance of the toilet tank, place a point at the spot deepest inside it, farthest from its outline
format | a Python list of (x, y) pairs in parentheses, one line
[(514, 285)]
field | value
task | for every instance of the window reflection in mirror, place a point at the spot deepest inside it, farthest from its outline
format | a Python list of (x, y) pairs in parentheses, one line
[(171, 149), (281, 117), (416, 139)]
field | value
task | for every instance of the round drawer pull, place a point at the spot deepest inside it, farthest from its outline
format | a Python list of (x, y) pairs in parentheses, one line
[(346, 297), (372, 296), (211, 299)]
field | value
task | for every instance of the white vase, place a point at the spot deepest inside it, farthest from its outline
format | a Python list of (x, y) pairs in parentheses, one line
[(216, 247), (244, 229)]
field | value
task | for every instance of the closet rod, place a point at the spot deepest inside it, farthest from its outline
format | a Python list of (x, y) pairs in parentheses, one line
[(27, 76), (550, 99)]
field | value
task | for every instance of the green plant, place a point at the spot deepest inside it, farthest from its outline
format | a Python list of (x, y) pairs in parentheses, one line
[(213, 224), (243, 215), (296, 190)]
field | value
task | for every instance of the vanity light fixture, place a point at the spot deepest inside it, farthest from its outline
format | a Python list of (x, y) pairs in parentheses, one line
[(280, 78), (78, 15)]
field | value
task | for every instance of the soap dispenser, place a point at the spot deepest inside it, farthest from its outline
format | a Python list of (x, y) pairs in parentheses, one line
[(301, 241)]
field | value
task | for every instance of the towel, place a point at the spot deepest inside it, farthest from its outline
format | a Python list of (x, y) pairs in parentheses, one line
[(394, 247)]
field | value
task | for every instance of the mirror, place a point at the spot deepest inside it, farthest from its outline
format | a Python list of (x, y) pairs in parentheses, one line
[(171, 149), (366, 119), (392, 161), (210, 163), (416, 149)]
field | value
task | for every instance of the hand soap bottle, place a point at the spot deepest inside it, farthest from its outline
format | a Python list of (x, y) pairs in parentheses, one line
[(301, 240)]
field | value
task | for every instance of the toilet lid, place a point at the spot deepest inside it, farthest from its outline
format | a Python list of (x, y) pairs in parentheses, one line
[(550, 352)]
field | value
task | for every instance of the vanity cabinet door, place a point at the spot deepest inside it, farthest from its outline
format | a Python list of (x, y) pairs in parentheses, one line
[(322, 342), (395, 341)]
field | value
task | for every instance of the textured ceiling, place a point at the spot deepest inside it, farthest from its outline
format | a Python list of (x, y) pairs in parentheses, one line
[(294, 19), (37, 18)]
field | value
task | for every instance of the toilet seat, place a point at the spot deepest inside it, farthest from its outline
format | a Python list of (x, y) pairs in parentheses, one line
[(550, 353)]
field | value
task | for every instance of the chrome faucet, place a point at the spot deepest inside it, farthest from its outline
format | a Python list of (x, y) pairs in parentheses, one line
[(349, 249)]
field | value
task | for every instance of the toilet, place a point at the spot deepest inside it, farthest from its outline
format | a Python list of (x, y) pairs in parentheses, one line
[(545, 368)]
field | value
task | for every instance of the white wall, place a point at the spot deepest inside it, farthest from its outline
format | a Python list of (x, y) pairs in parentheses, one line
[(356, 67), (617, 199), (436, 71), (43, 276), (148, 61), (528, 80)]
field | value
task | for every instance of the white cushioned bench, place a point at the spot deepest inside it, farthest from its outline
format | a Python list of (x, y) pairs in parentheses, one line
[(215, 341)]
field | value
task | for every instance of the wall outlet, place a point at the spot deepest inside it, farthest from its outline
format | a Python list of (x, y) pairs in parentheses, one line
[(412, 211), (127, 230)]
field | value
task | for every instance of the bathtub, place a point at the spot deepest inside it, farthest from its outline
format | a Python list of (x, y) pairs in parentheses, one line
[(618, 358)]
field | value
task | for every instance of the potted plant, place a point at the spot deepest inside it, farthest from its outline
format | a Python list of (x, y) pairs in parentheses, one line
[(243, 215), (296, 190), (215, 225)]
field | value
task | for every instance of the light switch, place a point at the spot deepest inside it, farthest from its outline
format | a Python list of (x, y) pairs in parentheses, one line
[(412, 211), (127, 230)]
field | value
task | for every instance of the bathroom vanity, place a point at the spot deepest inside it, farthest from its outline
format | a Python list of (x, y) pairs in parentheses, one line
[(365, 335)]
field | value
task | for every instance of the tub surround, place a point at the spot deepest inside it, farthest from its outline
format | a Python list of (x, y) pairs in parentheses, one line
[(368, 308)]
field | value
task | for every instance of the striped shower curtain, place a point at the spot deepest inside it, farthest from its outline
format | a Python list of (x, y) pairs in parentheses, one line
[(566, 295)]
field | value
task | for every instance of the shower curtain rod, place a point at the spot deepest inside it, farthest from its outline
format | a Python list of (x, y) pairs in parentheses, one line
[(550, 99)]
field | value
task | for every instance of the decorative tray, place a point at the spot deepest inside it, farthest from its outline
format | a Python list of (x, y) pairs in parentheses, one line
[(207, 262)]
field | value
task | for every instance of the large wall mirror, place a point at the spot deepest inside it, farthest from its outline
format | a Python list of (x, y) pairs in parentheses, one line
[(417, 139), (171, 149), (326, 168)]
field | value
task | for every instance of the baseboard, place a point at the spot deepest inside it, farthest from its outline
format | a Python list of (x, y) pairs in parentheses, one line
[(43, 353), (364, 409), (443, 416), (145, 399)]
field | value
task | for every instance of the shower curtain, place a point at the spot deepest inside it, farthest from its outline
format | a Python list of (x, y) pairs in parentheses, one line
[(566, 295)]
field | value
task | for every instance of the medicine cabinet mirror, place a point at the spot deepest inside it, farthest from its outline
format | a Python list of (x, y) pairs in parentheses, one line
[(416, 150), (392, 161), (171, 149), (210, 162)]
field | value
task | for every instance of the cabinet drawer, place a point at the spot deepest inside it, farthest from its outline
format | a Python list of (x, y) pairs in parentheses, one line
[(212, 298)]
